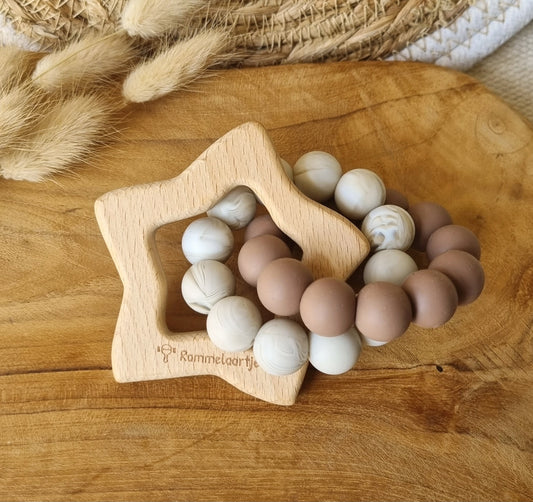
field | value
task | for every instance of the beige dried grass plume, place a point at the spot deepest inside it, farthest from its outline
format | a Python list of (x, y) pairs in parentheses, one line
[(152, 18), (93, 59), (66, 134), (176, 67), (20, 108), (15, 66)]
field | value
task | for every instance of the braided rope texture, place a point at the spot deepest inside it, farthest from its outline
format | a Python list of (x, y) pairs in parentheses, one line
[(265, 31), (479, 31)]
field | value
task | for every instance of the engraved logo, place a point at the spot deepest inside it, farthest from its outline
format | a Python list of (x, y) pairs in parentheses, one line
[(184, 356), (166, 350)]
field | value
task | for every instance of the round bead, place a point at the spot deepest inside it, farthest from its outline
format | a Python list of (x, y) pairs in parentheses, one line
[(383, 311), (396, 198), (452, 237), (427, 217), (233, 323), (464, 271), (261, 225), (236, 209), (207, 239), (281, 285), (281, 347), (257, 253), (205, 283), (433, 297), (316, 174), (389, 265), (389, 227), (358, 192), (334, 355), (328, 307)]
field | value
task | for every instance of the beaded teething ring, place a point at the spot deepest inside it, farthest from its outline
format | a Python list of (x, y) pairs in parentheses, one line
[(395, 293)]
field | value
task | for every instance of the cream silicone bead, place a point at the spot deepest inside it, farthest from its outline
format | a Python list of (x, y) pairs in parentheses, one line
[(389, 227), (233, 323), (389, 265), (281, 347), (334, 355), (205, 283), (316, 174), (207, 239), (373, 343), (358, 192), (236, 209)]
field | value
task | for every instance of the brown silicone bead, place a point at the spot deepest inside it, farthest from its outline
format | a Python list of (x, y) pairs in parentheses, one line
[(428, 217), (257, 253), (396, 198), (328, 307), (433, 297), (261, 225), (464, 271), (383, 311), (281, 285), (452, 237)]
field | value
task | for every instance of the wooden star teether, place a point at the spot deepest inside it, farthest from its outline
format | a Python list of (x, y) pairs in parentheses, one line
[(143, 346)]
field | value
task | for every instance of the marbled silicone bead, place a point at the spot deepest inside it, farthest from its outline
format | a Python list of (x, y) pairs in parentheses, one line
[(207, 239), (358, 192), (281, 347), (236, 209), (316, 174), (205, 283), (233, 323), (388, 227)]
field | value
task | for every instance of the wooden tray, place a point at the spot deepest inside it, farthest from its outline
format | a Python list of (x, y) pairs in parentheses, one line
[(440, 414)]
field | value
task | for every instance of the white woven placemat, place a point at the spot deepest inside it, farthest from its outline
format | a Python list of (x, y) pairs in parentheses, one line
[(478, 32), (508, 72)]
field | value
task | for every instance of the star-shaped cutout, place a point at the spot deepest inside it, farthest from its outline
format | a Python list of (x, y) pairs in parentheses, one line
[(143, 346)]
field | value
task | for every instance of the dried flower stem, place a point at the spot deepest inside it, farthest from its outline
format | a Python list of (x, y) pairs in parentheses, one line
[(176, 67)]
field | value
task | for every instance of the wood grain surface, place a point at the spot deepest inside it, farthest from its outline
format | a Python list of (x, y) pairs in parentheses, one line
[(443, 414)]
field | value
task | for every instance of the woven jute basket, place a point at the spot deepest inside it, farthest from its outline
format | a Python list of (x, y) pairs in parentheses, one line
[(265, 31)]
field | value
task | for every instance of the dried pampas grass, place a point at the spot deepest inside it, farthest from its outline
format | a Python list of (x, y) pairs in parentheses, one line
[(66, 134), (176, 67), (152, 18), (84, 63)]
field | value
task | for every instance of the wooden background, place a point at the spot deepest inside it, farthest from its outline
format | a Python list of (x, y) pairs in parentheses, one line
[(442, 414)]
